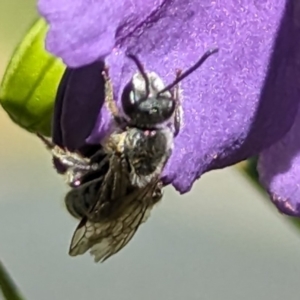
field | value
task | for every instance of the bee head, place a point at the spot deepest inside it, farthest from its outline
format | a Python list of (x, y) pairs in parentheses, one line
[(147, 101), (143, 103)]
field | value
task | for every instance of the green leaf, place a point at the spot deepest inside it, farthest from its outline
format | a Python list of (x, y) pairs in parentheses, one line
[(28, 89), (7, 286)]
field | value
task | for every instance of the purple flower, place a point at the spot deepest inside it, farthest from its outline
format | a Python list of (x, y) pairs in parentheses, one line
[(242, 102)]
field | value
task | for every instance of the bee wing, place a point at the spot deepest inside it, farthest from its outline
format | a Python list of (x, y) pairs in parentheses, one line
[(108, 236)]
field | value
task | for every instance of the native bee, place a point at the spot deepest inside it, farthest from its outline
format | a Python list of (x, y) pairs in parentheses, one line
[(113, 191)]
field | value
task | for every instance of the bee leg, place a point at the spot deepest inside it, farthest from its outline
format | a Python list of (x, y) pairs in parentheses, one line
[(178, 109), (157, 193), (109, 98), (49, 145), (71, 159), (75, 164), (66, 158)]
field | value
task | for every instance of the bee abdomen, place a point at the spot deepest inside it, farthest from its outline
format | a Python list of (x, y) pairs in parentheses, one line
[(80, 200)]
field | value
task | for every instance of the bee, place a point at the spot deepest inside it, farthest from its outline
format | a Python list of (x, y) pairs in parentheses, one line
[(113, 191), (109, 206)]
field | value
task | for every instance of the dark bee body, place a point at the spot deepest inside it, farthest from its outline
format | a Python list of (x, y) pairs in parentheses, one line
[(111, 207), (147, 151), (113, 191), (81, 198)]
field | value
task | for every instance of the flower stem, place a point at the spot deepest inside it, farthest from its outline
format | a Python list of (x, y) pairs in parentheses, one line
[(7, 286)]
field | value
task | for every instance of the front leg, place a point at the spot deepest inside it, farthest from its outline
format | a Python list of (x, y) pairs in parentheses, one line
[(109, 98)]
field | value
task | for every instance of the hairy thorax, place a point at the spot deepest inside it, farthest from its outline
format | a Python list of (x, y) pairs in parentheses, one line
[(147, 152)]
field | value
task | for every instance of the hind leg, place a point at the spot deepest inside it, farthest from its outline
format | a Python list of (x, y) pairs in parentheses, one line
[(75, 164)]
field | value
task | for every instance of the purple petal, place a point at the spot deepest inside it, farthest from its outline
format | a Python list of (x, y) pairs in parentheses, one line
[(79, 99), (240, 102), (83, 31), (279, 170), (230, 120)]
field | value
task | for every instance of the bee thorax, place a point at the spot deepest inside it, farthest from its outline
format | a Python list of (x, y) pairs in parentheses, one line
[(147, 152)]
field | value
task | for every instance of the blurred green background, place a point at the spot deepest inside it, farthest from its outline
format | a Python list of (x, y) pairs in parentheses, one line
[(220, 241)]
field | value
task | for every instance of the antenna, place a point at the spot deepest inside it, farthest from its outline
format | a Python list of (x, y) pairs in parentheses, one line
[(198, 64), (142, 71)]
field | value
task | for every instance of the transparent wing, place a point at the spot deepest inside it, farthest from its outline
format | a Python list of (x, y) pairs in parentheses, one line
[(115, 185), (110, 235)]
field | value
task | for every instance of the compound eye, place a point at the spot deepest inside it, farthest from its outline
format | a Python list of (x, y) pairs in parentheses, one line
[(129, 102)]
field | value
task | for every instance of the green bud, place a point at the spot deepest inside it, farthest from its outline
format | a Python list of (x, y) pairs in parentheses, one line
[(29, 86)]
